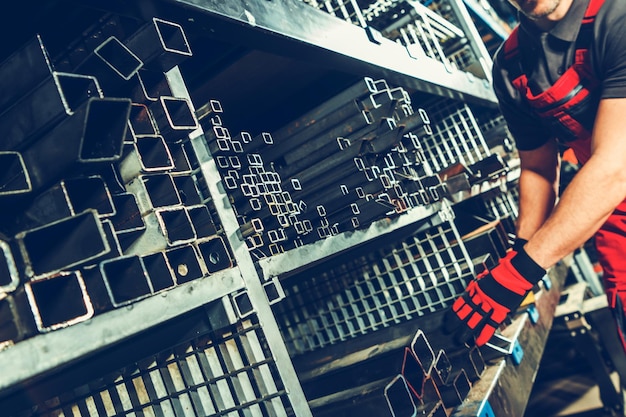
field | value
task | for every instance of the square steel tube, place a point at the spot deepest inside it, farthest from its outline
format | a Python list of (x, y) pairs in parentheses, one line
[(62, 244), (93, 134), (59, 300), (126, 279), (59, 96), (14, 177), (160, 45)]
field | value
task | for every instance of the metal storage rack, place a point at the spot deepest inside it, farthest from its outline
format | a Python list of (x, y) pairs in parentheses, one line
[(203, 306)]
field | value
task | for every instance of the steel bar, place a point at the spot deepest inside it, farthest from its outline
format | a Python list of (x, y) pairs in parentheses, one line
[(159, 271), (126, 279), (112, 63), (298, 147), (57, 97), (63, 244), (94, 134), (23, 70), (160, 44), (59, 300), (184, 261)]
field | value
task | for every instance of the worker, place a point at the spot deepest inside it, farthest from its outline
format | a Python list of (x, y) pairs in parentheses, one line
[(560, 79)]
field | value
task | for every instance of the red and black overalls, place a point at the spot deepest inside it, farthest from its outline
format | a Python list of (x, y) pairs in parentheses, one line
[(569, 108)]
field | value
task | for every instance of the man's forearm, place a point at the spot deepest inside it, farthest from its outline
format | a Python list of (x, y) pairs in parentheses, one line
[(594, 193)]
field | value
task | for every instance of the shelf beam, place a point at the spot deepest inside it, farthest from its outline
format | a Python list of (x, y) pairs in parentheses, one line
[(49, 352)]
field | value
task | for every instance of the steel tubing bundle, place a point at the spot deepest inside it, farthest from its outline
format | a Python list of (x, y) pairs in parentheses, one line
[(402, 373), (103, 199), (350, 161)]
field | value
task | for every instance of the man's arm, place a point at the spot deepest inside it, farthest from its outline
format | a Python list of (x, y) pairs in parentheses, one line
[(538, 185), (593, 194)]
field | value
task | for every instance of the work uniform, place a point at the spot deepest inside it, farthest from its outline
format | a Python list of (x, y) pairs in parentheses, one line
[(549, 85)]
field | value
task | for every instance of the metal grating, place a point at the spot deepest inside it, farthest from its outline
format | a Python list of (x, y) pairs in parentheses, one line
[(228, 374), (456, 137), (421, 274)]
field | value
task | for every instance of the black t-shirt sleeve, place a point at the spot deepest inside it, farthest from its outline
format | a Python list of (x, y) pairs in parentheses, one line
[(609, 54), (527, 130)]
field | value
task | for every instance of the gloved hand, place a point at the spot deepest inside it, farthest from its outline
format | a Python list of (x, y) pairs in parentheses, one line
[(490, 297)]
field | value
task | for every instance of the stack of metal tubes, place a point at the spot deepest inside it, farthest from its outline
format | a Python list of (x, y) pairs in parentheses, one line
[(99, 190), (352, 160), (396, 371)]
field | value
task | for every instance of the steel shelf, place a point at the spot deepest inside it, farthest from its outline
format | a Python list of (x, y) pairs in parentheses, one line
[(504, 387), (45, 352), (306, 255), (292, 27)]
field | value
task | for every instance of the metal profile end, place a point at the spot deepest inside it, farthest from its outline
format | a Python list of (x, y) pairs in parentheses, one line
[(37, 245), (126, 279), (179, 113), (242, 303), (9, 275), (15, 178), (69, 302), (423, 351), (153, 153), (75, 89), (176, 225), (172, 37), (399, 397), (104, 129), (118, 57)]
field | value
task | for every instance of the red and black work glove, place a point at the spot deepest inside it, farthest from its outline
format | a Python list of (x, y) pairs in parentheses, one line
[(490, 297)]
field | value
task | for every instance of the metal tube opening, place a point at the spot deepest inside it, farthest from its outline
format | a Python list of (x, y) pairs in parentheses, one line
[(14, 178), (126, 279), (59, 301)]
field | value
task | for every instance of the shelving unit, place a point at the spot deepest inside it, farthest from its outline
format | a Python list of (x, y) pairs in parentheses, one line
[(202, 304)]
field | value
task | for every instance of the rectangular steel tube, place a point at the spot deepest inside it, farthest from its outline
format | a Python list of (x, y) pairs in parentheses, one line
[(59, 300), (93, 134), (23, 70), (63, 244), (126, 279), (59, 96), (160, 44)]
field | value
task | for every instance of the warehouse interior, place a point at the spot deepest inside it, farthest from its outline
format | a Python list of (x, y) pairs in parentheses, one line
[(264, 208)]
